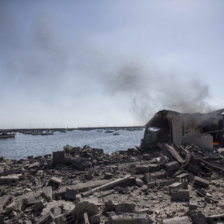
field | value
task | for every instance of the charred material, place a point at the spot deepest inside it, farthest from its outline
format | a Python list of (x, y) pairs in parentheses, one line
[(204, 130)]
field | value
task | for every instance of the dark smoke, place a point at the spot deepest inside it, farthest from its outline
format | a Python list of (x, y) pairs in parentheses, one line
[(44, 67), (154, 90)]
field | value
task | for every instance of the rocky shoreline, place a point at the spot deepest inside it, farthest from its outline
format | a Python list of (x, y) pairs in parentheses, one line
[(84, 185)]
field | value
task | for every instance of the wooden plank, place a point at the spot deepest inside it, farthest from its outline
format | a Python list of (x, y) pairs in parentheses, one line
[(106, 186), (86, 218), (174, 153)]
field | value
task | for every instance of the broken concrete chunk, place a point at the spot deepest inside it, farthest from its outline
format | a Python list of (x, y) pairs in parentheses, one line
[(147, 177), (193, 205), (60, 219), (108, 175), (70, 218), (12, 171), (95, 219), (4, 201), (59, 157), (10, 207), (183, 177), (46, 219), (56, 211), (128, 219), (197, 217), (70, 194), (215, 219), (85, 206), (80, 163), (81, 187), (38, 206), (31, 201), (172, 166), (173, 152), (109, 205), (175, 186), (86, 218), (9, 179), (34, 165), (141, 169), (159, 174), (154, 167), (180, 195), (47, 193), (55, 182), (65, 205), (125, 208), (201, 181), (139, 182), (165, 182), (178, 220)]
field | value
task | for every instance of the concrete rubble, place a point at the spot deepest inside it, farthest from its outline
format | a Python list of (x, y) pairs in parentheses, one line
[(169, 184)]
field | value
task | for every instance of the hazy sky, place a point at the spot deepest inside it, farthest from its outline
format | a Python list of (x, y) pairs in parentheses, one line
[(100, 63)]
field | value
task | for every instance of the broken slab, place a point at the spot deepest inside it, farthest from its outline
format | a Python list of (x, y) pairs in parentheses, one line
[(180, 195), (59, 157), (85, 206), (183, 177), (201, 181), (108, 176), (197, 217), (4, 200), (172, 151), (9, 179), (172, 166), (80, 163), (175, 186), (95, 219), (125, 208), (55, 182), (154, 167), (178, 220), (45, 219), (31, 201), (139, 182), (147, 177), (66, 205), (70, 194), (86, 218), (47, 193), (34, 165), (60, 219), (141, 169), (12, 171), (128, 219), (38, 206), (215, 219)]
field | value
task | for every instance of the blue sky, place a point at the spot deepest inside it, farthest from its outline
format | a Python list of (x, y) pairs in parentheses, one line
[(102, 63)]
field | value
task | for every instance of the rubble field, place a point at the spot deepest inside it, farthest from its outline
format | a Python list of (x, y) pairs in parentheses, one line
[(169, 184)]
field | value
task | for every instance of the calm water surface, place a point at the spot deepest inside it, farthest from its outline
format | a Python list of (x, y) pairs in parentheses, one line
[(24, 145)]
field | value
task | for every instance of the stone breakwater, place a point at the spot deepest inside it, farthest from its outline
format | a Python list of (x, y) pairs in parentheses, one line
[(84, 185)]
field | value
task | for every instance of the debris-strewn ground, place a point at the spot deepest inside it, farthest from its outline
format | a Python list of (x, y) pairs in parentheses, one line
[(83, 185)]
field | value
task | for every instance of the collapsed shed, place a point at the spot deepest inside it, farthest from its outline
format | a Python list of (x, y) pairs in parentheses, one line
[(202, 129)]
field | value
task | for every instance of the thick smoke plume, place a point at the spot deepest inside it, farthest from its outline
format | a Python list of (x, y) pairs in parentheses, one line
[(43, 65), (151, 90)]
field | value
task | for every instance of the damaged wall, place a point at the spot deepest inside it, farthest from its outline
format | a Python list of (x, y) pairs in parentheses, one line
[(183, 128)]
